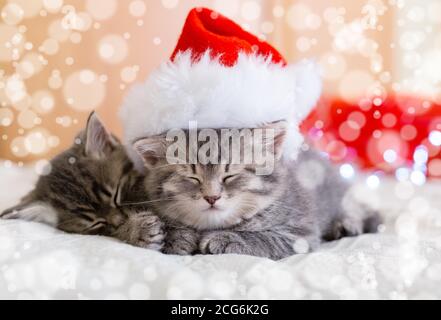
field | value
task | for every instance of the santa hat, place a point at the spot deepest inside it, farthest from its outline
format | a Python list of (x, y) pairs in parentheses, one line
[(222, 77)]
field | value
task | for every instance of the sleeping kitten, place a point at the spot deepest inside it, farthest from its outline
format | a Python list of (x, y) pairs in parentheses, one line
[(228, 208), (90, 190)]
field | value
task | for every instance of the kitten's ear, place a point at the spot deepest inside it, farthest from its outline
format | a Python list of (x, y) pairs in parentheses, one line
[(151, 149), (32, 211), (98, 142), (279, 129)]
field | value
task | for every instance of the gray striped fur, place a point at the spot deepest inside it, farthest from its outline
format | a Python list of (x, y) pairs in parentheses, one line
[(85, 188), (270, 216)]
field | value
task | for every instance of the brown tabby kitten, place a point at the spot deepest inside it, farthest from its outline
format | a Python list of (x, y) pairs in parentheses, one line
[(228, 208), (90, 190)]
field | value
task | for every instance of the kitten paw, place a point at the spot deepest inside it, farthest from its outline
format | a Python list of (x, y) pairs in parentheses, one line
[(179, 248), (348, 227), (221, 242), (142, 229), (180, 242), (151, 232)]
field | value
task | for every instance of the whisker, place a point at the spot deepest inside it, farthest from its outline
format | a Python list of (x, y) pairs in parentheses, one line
[(150, 201)]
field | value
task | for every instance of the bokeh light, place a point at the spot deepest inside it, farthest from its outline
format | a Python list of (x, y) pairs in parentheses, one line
[(63, 58), (43, 167), (30, 8), (435, 137), (6, 117), (137, 8), (13, 43), (59, 31), (169, 4), (347, 171), (53, 6), (129, 74), (296, 16), (43, 101), (250, 10), (27, 119), (87, 54), (12, 13), (30, 65), (113, 48), (83, 90), (101, 9), (373, 181)]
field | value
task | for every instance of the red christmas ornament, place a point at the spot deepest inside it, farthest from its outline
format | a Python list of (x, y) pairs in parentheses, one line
[(379, 134)]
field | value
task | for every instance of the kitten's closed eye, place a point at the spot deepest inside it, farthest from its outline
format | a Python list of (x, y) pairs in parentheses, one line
[(105, 191), (97, 227), (90, 216), (195, 180), (229, 178)]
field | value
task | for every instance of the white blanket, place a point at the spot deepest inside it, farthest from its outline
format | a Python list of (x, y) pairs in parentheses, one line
[(401, 262)]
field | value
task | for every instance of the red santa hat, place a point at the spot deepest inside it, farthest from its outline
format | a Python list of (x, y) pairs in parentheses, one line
[(205, 29), (222, 77)]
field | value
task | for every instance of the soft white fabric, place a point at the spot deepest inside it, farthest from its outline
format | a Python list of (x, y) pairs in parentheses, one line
[(404, 261), (253, 92)]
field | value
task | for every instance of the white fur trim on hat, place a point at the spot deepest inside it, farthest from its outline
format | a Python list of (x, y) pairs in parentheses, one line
[(253, 92)]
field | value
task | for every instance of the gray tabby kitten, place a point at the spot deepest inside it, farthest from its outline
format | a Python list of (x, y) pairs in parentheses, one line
[(226, 208), (89, 190)]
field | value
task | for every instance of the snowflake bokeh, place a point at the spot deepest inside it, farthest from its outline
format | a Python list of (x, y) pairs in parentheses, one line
[(60, 59)]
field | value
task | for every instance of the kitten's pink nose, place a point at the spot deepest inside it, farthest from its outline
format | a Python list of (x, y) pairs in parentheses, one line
[(211, 199)]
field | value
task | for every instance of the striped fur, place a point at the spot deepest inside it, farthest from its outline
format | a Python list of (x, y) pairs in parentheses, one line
[(271, 216), (88, 191)]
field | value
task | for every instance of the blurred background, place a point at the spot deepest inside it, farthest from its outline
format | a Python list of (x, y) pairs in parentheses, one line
[(60, 59)]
